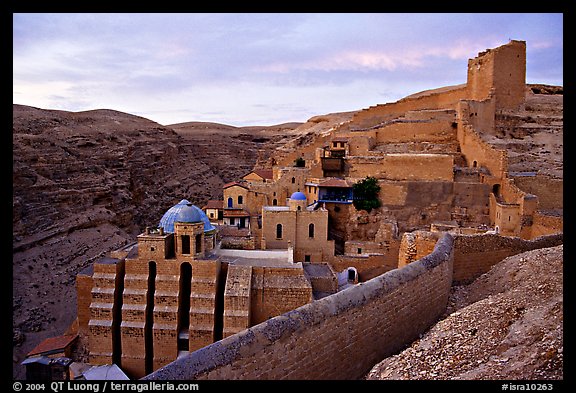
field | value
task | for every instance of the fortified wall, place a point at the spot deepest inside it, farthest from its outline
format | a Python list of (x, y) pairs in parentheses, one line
[(343, 335)]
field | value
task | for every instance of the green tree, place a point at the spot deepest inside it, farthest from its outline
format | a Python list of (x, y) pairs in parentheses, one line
[(366, 194)]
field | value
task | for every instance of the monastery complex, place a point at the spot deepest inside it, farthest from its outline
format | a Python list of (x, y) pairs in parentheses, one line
[(289, 234)]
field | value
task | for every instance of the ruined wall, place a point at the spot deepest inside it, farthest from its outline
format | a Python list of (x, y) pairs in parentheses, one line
[(550, 191), (476, 254), (415, 245), (340, 336), (445, 98), (546, 225), (477, 152), (501, 71)]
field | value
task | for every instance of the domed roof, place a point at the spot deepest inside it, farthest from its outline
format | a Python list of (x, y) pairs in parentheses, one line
[(298, 196), (184, 211)]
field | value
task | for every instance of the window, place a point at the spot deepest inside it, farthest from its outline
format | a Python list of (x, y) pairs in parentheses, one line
[(230, 202), (185, 244), (152, 248), (275, 202), (198, 243), (232, 221), (311, 230), (240, 199), (293, 180), (279, 231), (359, 251), (211, 215), (306, 258)]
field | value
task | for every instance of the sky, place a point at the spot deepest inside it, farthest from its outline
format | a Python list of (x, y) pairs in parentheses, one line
[(257, 68)]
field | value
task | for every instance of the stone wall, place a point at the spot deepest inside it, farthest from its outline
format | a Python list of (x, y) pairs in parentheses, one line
[(546, 225), (276, 291), (340, 336), (476, 254), (446, 98), (424, 167), (84, 284), (550, 191)]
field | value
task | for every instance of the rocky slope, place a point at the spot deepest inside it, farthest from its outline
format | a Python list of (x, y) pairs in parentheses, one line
[(507, 324)]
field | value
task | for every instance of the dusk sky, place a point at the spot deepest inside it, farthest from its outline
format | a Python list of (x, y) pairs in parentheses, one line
[(260, 69)]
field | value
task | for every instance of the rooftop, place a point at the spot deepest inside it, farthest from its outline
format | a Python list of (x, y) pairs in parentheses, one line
[(184, 211), (53, 345), (232, 184), (214, 204)]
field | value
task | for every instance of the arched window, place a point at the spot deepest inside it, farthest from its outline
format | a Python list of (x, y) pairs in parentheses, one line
[(279, 231), (230, 202), (311, 230), (275, 202), (293, 180), (240, 199), (474, 164)]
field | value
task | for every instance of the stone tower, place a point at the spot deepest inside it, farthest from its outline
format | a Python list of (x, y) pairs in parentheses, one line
[(501, 72)]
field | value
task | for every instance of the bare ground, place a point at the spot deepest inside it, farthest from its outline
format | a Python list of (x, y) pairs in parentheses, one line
[(507, 324)]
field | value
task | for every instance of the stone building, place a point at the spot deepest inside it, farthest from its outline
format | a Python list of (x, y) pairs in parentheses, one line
[(170, 293), (299, 226)]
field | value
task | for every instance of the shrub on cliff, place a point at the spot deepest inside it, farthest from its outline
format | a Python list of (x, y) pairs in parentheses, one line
[(366, 194)]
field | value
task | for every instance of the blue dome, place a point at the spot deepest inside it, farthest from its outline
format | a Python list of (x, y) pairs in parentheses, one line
[(298, 196), (184, 211)]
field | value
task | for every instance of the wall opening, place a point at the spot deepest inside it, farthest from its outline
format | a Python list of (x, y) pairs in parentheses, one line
[(198, 243), (293, 180), (279, 231), (240, 199), (184, 306), (230, 202), (275, 202), (311, 230), (117, 315), (474, 164), (351, 275), (149, 312), (306, 258), (185, 240), (496, 189)]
